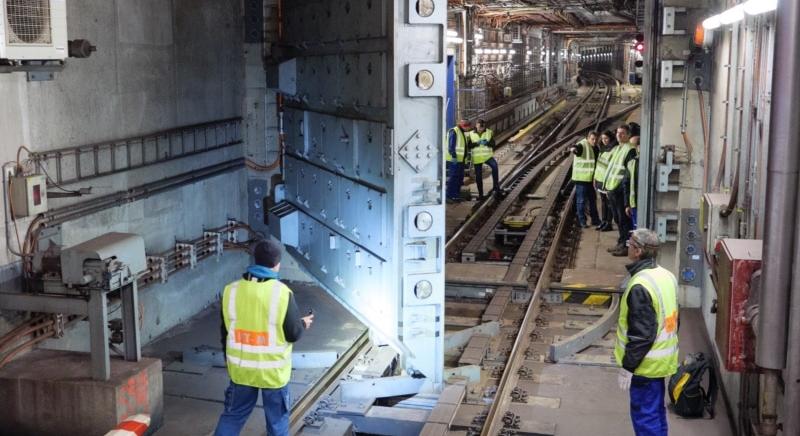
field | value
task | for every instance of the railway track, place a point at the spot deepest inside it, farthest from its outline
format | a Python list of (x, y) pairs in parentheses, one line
[(530, 257), (522, 263)]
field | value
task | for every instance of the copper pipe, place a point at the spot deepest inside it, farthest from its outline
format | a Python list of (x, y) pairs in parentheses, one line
[(26, 346), (16, 332)]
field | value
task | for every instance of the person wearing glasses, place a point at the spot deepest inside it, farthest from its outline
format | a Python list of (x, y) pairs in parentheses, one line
[(647, 334)]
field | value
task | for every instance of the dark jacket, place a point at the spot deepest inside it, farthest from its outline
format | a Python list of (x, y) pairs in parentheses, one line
[(642, 321), (293, 326)]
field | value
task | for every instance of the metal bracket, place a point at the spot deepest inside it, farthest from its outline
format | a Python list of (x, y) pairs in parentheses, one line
[(668, 71), (664, 170), (669, 21), (417, 152), (380, 387), (232, 223), (216, 241), (187, 249), (159, 264), (426, 11), (662, 220)]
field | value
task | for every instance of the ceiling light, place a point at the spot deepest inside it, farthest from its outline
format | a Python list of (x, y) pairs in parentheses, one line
[(712, 23), (755, 7), (732, 15), (452, 33), (512, 52), (452, 40), (478, 51)]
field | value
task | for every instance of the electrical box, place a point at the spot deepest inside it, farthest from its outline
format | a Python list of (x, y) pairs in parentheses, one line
[(735, 261), (28, 195)]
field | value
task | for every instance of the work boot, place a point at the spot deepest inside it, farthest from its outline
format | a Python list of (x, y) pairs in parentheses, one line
[(607, 228), (601, 225), (615, 248), (622, 251)]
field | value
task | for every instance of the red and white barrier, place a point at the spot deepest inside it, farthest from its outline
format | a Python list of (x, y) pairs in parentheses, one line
[(135, 425)]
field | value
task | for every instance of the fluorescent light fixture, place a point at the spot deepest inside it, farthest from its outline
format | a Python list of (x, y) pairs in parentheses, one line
[(512, 52), (495, 51), (452, 40), (478, 36), (732, 15), (755, 7), (712, 23), (530, 52), (452, 33), (503, 51), (478, 51)]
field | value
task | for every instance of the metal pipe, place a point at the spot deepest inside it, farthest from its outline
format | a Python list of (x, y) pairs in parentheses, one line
[(791, 400), (768, 403), (782, 168)]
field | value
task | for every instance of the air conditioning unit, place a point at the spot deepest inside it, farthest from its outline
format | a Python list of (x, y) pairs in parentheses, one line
[(33, 30)]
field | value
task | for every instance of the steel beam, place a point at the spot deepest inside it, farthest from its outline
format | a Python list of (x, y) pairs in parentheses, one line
[(587, 336), (43, 303)]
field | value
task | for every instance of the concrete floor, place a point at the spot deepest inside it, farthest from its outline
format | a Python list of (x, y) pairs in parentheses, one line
[(194, 391), (590, 401)]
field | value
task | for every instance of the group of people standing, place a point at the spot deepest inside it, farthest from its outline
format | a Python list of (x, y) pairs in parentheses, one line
[(465, 146), (608, 167)]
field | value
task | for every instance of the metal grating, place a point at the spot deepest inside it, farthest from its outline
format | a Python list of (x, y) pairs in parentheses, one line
[(28, 21)]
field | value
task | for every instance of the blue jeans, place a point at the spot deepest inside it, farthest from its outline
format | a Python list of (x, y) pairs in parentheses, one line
[(455, 178), (633, 218), (585, 197), (239, 402), (495, 176), (648, 413)]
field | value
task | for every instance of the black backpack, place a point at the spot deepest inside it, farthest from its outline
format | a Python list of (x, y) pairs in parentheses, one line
[(689, 398)]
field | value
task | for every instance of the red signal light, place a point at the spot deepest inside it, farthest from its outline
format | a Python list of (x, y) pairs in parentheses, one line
[(640, 47)]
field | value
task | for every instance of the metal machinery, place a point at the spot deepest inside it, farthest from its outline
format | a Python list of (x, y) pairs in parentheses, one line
[(78, 281), (363, 207)]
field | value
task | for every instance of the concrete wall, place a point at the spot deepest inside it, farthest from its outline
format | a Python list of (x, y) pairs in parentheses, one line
[(158, 65)]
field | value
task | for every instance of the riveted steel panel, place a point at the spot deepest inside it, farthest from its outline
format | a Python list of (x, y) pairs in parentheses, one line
[(356, 104)]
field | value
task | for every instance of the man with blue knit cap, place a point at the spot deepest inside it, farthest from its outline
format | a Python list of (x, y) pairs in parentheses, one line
[(260, 323)]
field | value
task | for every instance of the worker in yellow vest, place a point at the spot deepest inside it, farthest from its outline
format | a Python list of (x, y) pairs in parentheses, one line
[(583, 163), (630, 184), (612, 185), (260, 323), (606, 146), (647, 334), (482, 142), (457, 139)]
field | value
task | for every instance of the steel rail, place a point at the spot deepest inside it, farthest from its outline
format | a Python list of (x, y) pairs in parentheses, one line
[(327, 382), (527, 175), (510, 377)]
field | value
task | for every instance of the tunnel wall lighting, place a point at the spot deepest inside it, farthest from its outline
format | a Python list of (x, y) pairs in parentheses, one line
[(455, 40), (452, 33), (736, 13), (732, 15), (755, 7)]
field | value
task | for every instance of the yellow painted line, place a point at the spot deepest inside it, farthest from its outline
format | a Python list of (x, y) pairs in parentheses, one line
[(525, 130), (597, 299), (565, 296)]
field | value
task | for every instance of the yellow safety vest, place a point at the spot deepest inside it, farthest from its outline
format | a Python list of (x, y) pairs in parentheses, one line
[(662, 359), (257, 352), (583, 165), (481, 152), (632, 164), (461, 145), (600, 167), (616, 167)]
